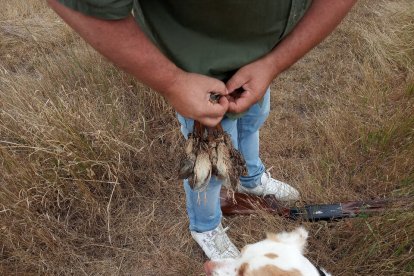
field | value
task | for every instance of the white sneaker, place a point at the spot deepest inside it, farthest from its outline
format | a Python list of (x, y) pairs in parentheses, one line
[(216, 244), (270, 186)]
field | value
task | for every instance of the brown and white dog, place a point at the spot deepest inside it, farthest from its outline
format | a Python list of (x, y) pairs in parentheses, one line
[(279, 254)]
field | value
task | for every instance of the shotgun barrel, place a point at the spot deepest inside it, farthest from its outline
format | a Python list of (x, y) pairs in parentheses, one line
[(244, 204)]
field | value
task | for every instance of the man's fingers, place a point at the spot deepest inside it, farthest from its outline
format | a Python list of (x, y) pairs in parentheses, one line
[(214, 112), (217, 109), (230, 98), (210, 122), (219, 88), (240, 104), (236, 81), (224, 102), (237, 107)]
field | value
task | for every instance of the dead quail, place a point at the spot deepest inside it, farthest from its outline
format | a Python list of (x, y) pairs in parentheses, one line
[(209, 151), (188, 162), (202, 171), (224, 166)]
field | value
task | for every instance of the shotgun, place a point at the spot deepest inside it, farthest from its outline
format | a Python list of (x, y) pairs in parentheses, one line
[(244, 204)]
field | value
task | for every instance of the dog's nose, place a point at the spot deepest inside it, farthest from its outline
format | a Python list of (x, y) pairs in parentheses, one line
[(209, 267)]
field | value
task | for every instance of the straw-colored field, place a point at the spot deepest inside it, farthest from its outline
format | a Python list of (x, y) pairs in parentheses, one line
[(88, 156)]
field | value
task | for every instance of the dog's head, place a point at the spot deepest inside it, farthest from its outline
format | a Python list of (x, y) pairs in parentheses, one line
[(279, 254)]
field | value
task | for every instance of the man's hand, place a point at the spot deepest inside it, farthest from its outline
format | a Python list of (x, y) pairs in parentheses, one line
[(319, 21), (190, 96), (126, 45), (252, 80)]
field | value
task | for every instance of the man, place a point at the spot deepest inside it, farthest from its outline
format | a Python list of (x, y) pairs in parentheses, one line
[(188, 49)]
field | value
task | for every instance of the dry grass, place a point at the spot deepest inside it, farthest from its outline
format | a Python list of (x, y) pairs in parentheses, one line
[(87, 154)]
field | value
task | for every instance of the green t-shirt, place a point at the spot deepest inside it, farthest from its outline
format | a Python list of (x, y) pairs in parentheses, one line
[(209, 37)]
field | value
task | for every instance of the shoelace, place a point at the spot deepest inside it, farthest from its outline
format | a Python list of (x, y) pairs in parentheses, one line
[(267, 172), (269, 176), (220, 245)]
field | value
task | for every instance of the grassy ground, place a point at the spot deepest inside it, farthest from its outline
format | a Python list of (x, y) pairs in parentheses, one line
[(88, 155)]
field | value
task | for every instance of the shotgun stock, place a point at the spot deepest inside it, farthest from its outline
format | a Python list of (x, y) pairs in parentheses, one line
[(244, 204)]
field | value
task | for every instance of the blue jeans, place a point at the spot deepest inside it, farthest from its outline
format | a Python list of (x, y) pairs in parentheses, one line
[(203, 208)]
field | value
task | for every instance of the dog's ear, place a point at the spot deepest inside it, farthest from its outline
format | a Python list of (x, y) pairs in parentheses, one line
[(302, 236), (272, 236), (297, 237)]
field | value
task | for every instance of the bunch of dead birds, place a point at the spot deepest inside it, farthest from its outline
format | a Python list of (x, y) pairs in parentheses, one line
[(209, 152)]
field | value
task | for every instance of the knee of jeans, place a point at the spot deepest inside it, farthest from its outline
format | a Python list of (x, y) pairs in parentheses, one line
[(262, 118), (252, 124)]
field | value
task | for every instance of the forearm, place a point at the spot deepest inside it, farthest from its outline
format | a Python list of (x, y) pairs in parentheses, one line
[(124, 44), (319, 21)]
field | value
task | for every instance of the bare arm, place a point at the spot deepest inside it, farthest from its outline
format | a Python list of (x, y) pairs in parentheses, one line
[(319, 21), (126, 45)]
